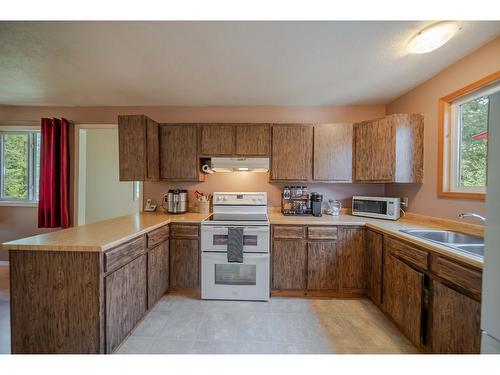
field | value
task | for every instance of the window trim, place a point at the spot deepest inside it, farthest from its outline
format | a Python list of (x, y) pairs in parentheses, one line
[(444, 143), (30, 130)]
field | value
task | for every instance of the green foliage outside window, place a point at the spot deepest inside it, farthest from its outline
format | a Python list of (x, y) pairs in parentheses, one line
[(473, 152), (16, 166)]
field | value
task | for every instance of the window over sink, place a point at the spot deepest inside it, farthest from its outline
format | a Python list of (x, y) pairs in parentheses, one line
[(463, 138)]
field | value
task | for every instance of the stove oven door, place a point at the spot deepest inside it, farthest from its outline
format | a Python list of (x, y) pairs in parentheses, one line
[(238, 281), (255, 238)]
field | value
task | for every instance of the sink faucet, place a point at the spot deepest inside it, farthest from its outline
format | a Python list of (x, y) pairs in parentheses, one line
[(463, 215)]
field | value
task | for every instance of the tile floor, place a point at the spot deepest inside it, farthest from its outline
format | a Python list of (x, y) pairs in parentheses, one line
[(181, 325)]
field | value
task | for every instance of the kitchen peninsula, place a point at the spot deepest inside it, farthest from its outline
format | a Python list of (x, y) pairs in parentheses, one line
[(90, 285)]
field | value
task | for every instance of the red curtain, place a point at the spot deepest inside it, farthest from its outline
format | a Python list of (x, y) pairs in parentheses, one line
[(53, 205)]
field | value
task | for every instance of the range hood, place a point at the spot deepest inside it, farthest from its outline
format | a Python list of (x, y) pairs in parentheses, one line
[(240, 164)]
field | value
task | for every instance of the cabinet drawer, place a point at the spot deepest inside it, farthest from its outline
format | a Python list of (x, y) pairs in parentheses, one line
[(467, 278), (322, 233), (408, 253), (123, 254), (288, 232), (181, 230), (158, 235)]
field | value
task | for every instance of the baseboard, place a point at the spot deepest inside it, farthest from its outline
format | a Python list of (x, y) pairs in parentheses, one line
[(317, 293), (4, 262)]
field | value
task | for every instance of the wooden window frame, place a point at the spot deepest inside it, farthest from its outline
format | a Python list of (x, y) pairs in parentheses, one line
[(444, 117)]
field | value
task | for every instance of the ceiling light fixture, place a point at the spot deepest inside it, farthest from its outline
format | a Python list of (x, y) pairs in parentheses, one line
[(432, 37)]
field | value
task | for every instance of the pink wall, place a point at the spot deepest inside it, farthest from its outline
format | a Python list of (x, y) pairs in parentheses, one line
[(424, 99), (244, 181), (17, 222)]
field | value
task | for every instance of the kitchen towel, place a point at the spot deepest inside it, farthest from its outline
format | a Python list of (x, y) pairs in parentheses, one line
[(235, 245)]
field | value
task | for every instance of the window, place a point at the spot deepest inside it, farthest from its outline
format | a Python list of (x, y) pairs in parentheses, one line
[(19, 166), (463, 139)]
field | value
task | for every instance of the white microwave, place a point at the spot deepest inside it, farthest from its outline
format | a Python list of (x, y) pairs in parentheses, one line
[(377, 207)]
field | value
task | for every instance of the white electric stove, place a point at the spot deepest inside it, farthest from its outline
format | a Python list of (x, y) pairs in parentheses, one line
[(248, 280)]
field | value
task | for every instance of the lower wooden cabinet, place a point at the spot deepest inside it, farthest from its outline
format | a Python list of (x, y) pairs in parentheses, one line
[(352, 259), (322, 265), (403, 297), (126, 302), (184, 263), (374, 261), (455, 321), (158, 272), (289, 261)]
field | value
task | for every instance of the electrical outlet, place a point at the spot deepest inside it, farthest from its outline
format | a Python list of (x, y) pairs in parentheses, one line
[(404, 202)]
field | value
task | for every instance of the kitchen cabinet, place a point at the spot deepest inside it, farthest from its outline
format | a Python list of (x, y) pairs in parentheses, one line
[(184, 256), (292, 149), (179, 152), (138, 148), (352, 259), (217, 140), (158, 272), (332, 158), (126, 304), (252, 140), (289, 260), (403, 297), (374, 261), (322, 265), (389, 149), (455, 321)]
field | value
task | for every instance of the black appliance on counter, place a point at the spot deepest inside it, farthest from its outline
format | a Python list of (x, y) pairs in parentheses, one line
[(316, 200), (297, 201)]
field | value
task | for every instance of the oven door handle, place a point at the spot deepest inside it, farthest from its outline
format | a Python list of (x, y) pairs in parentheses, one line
[(254, 228)]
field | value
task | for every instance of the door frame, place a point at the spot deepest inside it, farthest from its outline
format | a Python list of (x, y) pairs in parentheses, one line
[(79, 177)]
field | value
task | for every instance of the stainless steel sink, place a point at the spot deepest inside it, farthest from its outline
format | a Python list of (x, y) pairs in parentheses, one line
[(458, 241)]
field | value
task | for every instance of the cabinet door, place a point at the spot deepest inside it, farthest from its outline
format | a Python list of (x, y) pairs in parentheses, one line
[(158, 275), (455, 321), (352, 253), (289, 264), (403, 297), (138, 148), (217, 140), (374, 262), (322, 265), (184, 263), (291, 152), (374, 151), (125, 301), (333, 152), (252, 140), (178, 152)]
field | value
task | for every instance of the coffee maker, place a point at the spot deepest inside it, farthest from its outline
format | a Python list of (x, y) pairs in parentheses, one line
[(316, 200)]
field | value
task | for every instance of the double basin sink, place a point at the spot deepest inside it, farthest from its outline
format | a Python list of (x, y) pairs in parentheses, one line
[(457, 241)]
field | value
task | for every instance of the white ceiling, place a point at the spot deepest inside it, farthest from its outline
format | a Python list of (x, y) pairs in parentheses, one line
[(219, 63)]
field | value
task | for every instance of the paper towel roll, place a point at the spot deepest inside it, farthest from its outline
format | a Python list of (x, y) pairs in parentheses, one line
[(206, 169)]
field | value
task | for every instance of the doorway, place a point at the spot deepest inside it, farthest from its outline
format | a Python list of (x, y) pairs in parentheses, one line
[(100, 194)]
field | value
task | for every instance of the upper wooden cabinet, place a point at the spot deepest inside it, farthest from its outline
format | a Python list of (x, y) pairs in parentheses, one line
[(389, 149), (138, 148), (179, 152), (292, 149), (252, 140), (235, 140), (333, 153), (217, 140)]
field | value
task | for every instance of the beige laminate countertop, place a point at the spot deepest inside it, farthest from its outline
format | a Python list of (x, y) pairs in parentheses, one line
[(102, 235), (386, 226)]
